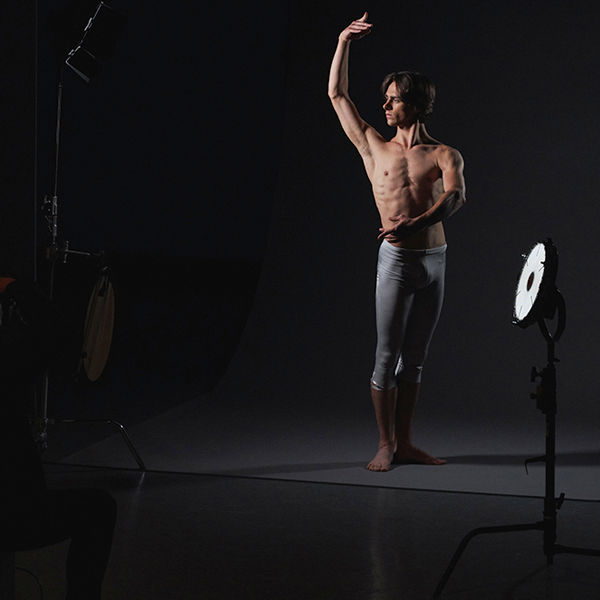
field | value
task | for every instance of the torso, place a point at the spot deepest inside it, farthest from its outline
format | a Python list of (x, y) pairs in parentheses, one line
[(407, 181)]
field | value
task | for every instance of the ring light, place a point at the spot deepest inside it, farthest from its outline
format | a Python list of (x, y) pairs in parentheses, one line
[(535, 297)]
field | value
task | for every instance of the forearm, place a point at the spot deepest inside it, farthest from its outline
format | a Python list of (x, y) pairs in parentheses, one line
[(338, 73), (447, 204)]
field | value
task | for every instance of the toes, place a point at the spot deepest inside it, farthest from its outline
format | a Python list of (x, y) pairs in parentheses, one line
[(417, 457), (377, 467)]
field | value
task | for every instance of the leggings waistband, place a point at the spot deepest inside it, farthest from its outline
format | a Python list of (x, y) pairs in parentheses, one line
[(414, 251)]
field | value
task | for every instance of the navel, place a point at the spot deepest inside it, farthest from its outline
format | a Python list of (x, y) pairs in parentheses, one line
[(385, 173)]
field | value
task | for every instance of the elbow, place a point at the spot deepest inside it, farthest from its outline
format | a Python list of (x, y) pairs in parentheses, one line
[(335, 94), (456, 200), (460, 199)]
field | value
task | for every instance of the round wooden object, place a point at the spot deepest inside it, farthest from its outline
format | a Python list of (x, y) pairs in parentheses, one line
[(98, 328)]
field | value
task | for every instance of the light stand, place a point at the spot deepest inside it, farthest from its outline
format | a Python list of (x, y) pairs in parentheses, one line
[(544, 300), (99, 36)]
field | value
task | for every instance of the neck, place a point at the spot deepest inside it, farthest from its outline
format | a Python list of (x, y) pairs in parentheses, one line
[(411, 135)]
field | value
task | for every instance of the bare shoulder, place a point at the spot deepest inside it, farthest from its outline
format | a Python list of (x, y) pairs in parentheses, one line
[(451, 164), (448, 157)]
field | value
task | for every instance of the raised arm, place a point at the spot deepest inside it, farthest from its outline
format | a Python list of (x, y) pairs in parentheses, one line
[(451, 165), (355, 128)]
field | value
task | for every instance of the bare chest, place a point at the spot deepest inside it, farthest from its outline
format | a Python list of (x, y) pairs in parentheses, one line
[(396, 170)]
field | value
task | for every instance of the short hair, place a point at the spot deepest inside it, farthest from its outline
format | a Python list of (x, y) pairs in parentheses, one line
[(414, 89)]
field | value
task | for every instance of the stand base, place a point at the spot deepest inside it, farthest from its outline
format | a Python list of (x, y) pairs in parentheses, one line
[(550, 551), (123, 431)]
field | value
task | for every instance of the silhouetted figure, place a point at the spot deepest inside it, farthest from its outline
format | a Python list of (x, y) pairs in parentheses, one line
[(31, 515)]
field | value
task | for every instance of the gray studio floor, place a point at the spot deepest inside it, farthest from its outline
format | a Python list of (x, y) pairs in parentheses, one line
[(269, 513), (184, 536), (202, 437)]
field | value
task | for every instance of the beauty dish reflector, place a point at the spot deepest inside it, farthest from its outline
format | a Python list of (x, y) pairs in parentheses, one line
[(99, 38), (534, 297)]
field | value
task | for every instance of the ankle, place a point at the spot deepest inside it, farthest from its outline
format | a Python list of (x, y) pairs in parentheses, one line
[(386, 444)]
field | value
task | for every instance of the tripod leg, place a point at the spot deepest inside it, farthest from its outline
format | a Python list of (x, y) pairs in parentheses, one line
[(465, 541), (558, 549), (119, 426)]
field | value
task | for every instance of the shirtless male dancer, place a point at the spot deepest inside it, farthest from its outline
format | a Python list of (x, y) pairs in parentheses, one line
[(417, 182)]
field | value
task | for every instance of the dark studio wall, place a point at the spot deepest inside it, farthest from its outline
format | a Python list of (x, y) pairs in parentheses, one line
[(17, 171), (167, 165), (155, 155)]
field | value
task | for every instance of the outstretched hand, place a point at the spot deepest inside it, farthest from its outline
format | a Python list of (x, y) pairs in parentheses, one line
[(357, 29), (401, 228)]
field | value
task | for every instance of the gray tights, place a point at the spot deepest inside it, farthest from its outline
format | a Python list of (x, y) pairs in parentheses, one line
[(408, 301)]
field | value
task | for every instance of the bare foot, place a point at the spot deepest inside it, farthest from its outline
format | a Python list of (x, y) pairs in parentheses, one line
[(409, 454), (383, 459)]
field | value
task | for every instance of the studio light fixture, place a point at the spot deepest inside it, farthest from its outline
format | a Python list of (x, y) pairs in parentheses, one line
[(535, 297), (99, 38)]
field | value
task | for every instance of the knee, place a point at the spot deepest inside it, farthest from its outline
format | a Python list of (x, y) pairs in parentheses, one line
[(384, 372), (383, 382), (376, 386)]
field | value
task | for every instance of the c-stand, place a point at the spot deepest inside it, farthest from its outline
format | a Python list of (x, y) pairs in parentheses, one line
[(545, 395)]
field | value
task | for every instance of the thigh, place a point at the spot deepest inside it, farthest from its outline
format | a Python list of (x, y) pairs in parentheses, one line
[(393, 303), (424, 314)]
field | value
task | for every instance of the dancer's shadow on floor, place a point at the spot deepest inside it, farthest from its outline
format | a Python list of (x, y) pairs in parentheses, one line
[(292, 469), (568, 459), (587, 458)]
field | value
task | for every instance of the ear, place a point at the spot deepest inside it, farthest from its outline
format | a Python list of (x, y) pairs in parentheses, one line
[(415, 113)]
